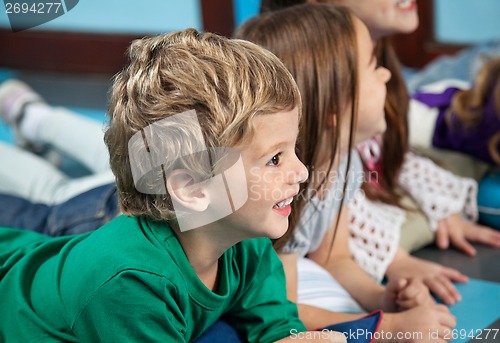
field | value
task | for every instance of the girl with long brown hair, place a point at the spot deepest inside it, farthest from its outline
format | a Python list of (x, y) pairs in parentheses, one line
[(399, 197), (330, 54)]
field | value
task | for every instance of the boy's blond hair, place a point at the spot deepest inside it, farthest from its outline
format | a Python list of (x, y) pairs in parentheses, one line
[(226, 82)]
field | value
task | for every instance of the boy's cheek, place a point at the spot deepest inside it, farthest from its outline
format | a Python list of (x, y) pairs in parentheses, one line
[(255, 193)]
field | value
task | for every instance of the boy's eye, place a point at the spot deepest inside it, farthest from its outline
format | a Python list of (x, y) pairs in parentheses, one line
[(274, 161)]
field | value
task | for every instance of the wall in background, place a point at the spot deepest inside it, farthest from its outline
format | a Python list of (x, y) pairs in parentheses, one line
[(124, 16), (244, 9), (99, 31), (456, 21), (467, 21), (93, 35)]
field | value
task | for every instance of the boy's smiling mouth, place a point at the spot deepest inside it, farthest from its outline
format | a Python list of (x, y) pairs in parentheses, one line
[(283, 207), (283, 203)]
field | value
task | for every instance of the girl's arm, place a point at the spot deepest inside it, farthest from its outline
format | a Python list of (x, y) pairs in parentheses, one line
[(425, 323), (366, 291), (290, 266), (399, 293), (420, 320), (448, 201), (436, 277), (312, 317), (310, 313), (459, 232)]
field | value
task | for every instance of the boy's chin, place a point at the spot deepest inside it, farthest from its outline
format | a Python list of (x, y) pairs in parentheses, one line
[(275, 234)]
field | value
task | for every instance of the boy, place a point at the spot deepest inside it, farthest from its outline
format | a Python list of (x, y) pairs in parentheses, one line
[(202, 142)]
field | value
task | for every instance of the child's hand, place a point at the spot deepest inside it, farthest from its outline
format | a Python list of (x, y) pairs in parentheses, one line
[(413, 293), (438, 279), (459, 232), (402, 294), (426, 323)]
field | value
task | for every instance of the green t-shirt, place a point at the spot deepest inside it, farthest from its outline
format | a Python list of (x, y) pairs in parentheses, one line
[(130, 281)]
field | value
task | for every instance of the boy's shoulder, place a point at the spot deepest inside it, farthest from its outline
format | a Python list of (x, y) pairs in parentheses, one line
[(124, 241), (124, 245), (127, 253)]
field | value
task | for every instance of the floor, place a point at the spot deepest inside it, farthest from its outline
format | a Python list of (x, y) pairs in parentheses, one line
[(480, 308), (83, 94)]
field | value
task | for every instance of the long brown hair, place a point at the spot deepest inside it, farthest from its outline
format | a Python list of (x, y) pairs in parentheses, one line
[(317, 43), (468, 105), (395, 139)]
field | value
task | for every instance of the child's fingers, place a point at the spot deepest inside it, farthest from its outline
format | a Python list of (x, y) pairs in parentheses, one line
[(395, 286), (442, 235), (490, 237), (444, 289), (415, 293), (424, 299), (442, 308), (462, 244), (445, 317), (411, 289), (484, 235), (454, 275), (446, 321), (402, 284)]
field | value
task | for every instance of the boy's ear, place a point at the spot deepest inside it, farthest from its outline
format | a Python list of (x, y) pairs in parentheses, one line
[(185, 190)]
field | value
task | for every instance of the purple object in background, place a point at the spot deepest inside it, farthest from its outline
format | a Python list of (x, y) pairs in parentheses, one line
[(453, 135)]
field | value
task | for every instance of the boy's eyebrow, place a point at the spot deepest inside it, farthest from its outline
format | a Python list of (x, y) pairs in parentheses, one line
[(278, 146), (275, 147)]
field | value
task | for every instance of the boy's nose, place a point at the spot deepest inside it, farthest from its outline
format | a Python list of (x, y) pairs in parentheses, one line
[(301, 172)]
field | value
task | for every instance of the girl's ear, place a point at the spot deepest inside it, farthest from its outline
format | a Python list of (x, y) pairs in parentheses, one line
[(185, 190)]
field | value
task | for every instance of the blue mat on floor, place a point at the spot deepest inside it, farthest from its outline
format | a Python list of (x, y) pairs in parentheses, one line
[(479, 308)]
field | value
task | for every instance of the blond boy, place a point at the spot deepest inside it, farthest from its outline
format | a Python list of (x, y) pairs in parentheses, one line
[(202, 138)]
